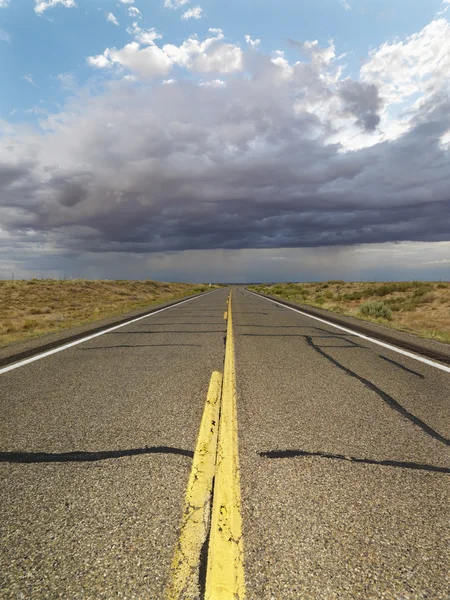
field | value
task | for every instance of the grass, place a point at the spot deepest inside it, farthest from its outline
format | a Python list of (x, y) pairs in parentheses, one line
[(36, 307), (418, 307)]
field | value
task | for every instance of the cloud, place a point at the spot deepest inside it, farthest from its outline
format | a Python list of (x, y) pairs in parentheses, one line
[(112, 19), (4, 3), (67, 81), (217, 83), (318, 55), (127, 1), (260, 162), (345, 4), (211, 55), (148, 60), (29, 79), (175, 3), (252, 43), (134, 12), (101, 61), (363, 101), (42, 5), (193, 13), (145, 37), (418, 65), (4, 36)]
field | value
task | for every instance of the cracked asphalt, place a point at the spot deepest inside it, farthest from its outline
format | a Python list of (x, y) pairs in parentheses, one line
[(324, 517), (343, 449)]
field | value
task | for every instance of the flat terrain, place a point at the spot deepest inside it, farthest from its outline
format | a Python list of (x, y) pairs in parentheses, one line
[(343, 450), (419, 307), (35, 307)]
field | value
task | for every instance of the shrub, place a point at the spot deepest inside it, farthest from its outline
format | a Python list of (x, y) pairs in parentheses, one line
[(421, 290), (390, 288), (354, 296), (277, 289), (427, 297), (375, 309)]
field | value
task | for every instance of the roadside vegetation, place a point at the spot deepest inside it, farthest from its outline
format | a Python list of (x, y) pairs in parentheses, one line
[(35, 307), (418, 307)]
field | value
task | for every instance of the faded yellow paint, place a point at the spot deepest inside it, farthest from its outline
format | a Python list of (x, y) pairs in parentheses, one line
[(225, 569), (183, 580), (225, 315)]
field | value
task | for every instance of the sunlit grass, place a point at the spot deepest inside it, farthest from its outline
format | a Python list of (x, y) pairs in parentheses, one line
[(35, 307), (419, 307)]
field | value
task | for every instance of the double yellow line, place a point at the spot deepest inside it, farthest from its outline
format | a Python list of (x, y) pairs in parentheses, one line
[(214, 478)]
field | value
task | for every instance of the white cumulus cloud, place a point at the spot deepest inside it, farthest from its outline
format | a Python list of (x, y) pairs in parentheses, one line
[(148, 60), (134, 12), (112, 19), (252, 43), (210, 55), (175, 3), (42, 5), (146, 37), (418, 65), (101, 61), (193, 13), (4, 3)]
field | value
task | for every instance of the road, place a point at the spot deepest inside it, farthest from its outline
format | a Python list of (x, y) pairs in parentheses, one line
[(343, 451)]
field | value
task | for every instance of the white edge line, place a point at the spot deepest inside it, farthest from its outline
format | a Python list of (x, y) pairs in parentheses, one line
[(426, 361), (27, 361)]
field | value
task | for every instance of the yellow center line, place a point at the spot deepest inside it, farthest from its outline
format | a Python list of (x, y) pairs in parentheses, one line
[(184, 575), (225, 568), (215, 458)]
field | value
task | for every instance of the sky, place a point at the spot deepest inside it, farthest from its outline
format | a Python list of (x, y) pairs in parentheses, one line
[(237, 140)]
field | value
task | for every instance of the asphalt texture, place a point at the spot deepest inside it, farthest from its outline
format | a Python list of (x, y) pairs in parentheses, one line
[(319, 412), (74, 527), (343, 448)]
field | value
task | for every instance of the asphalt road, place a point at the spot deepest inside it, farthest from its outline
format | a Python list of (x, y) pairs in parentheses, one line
[(343, 448)]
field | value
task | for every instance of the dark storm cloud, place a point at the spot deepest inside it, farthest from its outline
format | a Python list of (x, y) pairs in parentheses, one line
[(181, 166), (363, 101)]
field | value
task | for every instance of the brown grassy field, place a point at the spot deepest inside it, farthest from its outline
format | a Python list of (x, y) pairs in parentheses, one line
[(35, 307), (418, 307)]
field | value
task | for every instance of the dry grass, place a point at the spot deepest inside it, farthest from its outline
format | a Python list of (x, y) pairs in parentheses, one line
[(418, 307), (35, 307)]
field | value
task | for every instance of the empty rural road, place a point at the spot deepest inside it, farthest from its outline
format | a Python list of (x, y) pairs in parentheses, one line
[(343, 451)]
